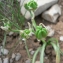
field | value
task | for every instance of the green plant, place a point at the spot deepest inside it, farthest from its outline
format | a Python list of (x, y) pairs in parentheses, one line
[(39, 31), (10, 11)]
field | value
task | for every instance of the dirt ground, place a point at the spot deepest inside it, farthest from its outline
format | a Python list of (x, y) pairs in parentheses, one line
[(33, 44)]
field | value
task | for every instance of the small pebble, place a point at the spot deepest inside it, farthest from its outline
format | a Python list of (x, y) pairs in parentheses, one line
[(6, 60), (61, 38), (30, 49), (18, 56), (37, 62), (51, 33), (11, 33), (28, 61), (13, 56), (4, 51), (0, 60), (32, 52), (11, 60), (46, 57)]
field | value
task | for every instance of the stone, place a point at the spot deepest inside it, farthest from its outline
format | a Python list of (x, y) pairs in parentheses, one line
[(50, 31), (0, 60), (37, 62), (28, 61), (6, 60), (61, 38), (13, 56), (52, 14), (42, 6), (11, 60), (32, 52), (4, 51), (18, 56), (11, 33), (46, 57)]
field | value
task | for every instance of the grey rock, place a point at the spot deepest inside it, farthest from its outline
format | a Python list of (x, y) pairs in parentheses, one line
[(11, 60), (52, 14), (42, 6), (11, 33), (28, 61), (61, 38), (50, 31), (32, 52), (0, 60), (13, 56), (18, 56), (4, 51), (6, 60)]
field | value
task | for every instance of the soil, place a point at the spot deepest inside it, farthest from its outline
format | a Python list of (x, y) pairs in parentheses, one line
[(33, 43)]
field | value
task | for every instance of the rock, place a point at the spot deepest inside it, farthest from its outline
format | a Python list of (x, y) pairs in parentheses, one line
[(11, 60), (18, 56), (50, 31), (0, 60), (4, 51), (6, 60), (11, 33), (52, 14), (30, 49), (37, 62), (32, 52), (42, 6), (46, 57), (13, 56), (61, 38), (28, 61)]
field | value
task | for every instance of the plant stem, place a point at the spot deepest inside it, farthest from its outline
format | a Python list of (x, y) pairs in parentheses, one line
[(32, 19), (27, 49), (4, 41), (43, 41)]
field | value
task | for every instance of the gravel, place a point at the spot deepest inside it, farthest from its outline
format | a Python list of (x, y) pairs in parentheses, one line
[(18, 56)]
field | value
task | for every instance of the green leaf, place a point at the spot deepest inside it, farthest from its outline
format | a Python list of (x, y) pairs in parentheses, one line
[(35, 55), (42, 53), (57, 52)]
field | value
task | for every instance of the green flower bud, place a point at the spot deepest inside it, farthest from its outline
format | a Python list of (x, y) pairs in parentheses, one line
[(32, 5), (40, 32)]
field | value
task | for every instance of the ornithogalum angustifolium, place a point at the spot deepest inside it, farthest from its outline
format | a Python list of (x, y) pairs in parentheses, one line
[(40, 32), (32, 5)]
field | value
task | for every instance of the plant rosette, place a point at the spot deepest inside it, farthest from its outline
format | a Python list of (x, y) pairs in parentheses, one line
[(41, 32)]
